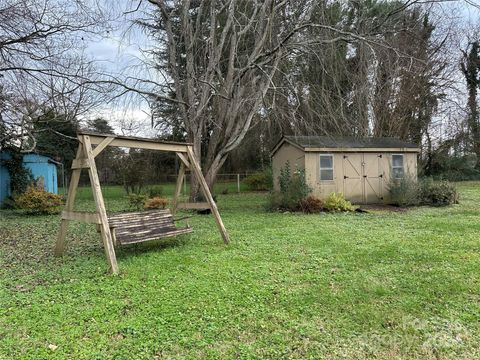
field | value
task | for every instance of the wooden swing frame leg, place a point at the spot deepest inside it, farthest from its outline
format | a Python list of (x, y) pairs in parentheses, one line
[(178, 188), (86, 159), (100, 205)]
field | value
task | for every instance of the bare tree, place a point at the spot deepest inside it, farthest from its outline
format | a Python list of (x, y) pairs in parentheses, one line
[(225, 66), (42, 65)]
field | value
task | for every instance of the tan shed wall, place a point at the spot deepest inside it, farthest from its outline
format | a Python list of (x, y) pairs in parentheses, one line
[(367, 173), (362, 177), (286, 152), (356, 188)]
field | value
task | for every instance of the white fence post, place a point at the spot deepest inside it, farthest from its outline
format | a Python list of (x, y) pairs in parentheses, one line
[(238, 183)]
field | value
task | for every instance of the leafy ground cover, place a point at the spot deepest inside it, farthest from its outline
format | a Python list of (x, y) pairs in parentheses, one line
[(385, 285)]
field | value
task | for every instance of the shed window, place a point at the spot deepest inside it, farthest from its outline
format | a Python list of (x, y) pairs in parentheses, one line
[(326, 167), (397, 166)]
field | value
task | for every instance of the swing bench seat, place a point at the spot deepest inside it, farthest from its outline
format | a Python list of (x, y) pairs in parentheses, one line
[(142, 226)]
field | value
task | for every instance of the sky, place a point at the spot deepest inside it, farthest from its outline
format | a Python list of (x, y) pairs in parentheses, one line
[(119, 52)]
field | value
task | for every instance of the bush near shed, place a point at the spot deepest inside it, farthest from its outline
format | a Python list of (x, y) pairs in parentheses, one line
[(411, 192), (294, 195), (39, 201)]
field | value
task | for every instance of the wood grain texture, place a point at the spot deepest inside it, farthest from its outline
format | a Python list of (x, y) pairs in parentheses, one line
[(136, 227), (82, 216), (194, 206), (100, 205), (184, 159), (178, 187), (99, 148)]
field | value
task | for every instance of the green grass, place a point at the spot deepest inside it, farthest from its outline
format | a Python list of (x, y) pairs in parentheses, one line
[(384, 285), (117, 192)]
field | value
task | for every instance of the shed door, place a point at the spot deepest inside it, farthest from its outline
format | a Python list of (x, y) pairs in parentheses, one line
[(352, 178), (373, 178)]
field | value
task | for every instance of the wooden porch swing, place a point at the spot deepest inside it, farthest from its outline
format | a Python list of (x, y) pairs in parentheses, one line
[(135, 227)]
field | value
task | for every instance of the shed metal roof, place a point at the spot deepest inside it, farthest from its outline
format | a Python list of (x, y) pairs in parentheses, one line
[(346, 142)]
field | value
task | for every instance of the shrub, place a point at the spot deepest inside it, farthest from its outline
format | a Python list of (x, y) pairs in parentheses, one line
[(155, 191), (156, 203), (311, 205), (404, 192), (293, 189), (39, 201), (409, 192), (137, 201), (336, 202), (275, 202), (260, 181), (440, 193)]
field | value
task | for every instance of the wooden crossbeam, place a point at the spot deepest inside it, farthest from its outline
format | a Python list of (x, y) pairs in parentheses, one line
[(140, 144), (184, 159), (80, 164), (81, 216), (99, 148), (194, 206)]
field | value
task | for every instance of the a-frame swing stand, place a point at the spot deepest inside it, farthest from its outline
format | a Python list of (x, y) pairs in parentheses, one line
[(85, 159)]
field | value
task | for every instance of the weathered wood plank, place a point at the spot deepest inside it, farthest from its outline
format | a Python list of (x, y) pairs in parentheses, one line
[(178, 188), (146, 220), (125, 137), (114, 236), (206, 192), (99, 148), (137, 218), (144, 230), (98, 197), (135, 240), (141, 213), (184, 160), (80, 164), (81, 216), (147, 144), (140, 225), (194, 206)]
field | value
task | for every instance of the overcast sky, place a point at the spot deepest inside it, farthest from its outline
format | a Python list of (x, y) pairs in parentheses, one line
[(120, 52)]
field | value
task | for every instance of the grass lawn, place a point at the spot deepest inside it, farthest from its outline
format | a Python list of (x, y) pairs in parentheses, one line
[(385, 285)]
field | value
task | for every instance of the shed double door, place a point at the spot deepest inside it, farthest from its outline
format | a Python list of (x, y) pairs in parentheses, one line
[(363, 177)]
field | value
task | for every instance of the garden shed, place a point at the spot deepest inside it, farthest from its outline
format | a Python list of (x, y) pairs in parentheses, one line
[(358, 167), (43, 169)]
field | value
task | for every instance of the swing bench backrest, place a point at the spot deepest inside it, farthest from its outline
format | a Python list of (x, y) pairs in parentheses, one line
[(137, 227)]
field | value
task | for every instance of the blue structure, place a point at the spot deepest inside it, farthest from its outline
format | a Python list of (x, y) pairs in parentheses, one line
[(40, 166), (4, 178)]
